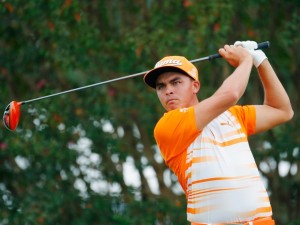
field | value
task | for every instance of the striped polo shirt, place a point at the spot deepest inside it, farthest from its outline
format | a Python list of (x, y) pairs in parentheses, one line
[(215, 167)]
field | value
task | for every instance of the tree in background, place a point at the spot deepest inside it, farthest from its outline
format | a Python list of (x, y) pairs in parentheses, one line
[(69, 161)]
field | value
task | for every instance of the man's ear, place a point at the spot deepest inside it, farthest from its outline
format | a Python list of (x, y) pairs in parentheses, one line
[(196, 86)]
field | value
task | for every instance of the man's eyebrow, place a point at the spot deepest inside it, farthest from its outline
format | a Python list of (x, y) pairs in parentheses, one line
[(170, 81), (175, 79)]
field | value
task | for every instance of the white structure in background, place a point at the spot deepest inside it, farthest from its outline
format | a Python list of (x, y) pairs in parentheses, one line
[(89, 163)]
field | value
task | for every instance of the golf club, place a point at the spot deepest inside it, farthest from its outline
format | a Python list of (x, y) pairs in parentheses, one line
[(11, 116)]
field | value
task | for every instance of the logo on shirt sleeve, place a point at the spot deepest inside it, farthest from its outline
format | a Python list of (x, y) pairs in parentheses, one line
[(183, 110)]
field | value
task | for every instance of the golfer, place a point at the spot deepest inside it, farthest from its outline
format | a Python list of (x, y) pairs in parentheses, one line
[(205, 143)]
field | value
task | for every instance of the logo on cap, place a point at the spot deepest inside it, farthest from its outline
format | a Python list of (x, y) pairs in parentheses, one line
[(179, 64), (172, 62)]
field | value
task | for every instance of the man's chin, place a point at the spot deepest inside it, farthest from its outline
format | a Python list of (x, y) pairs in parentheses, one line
[(171, 107)]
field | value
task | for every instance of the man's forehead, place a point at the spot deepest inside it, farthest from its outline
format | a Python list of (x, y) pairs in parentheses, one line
[(168, 76)]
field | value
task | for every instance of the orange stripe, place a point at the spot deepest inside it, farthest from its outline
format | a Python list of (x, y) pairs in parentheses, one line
[(215, 179), (233, 133), (257, 211), (188, 175), (264, 199), (200, 210), (204, 159), (210, 191), (226, 143), (203, 191), (263, 210), (203, 148), (224, 178), (207, 192)]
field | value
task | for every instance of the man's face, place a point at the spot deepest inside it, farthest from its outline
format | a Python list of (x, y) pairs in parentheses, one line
[(176, 90)]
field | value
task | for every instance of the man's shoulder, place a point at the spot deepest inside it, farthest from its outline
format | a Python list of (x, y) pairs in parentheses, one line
[(177, 114)]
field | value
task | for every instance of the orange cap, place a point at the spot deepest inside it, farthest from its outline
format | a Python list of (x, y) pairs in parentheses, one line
[(171, 63)]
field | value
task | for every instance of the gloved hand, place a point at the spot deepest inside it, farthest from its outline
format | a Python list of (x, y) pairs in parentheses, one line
[(258, 55)]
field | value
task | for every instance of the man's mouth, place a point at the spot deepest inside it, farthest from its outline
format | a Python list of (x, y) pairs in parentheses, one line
[(171, 101)]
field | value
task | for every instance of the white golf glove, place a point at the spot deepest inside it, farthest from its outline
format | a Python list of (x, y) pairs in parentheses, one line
[(258, 55)]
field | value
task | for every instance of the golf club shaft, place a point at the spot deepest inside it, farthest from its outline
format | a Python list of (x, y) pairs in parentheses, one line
[(84, 87), (261, 45)]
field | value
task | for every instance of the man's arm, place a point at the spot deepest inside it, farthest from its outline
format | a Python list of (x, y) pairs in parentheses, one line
[(232, 88), (276, 108)]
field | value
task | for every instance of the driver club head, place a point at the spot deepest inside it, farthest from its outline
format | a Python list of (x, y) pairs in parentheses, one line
[(11, 115)]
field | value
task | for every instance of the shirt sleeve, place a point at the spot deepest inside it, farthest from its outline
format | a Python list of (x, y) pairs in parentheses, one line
[(246, 116), (175, 131)]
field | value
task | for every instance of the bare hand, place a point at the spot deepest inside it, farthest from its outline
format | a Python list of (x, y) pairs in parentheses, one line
[(235, 55)]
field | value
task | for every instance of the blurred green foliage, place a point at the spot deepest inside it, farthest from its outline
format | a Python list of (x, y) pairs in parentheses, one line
[(65, 164)]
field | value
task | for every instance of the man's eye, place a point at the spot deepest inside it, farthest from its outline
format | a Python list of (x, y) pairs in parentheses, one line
[(159, 87)]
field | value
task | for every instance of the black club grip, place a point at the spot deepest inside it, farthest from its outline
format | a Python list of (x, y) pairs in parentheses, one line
[(261, 45)]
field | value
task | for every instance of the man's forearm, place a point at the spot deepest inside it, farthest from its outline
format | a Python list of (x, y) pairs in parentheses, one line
[(275, 94)]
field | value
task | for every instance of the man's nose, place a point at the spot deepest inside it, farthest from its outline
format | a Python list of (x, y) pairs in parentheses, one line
[(169, 90)]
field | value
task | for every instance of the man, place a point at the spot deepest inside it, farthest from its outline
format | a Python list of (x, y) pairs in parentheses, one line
[(206, 143)]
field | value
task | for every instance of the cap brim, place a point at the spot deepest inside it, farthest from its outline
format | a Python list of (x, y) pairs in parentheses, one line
[(151, 76)]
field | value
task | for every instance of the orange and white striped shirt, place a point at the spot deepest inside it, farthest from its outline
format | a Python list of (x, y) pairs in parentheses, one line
[(215, 167)]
